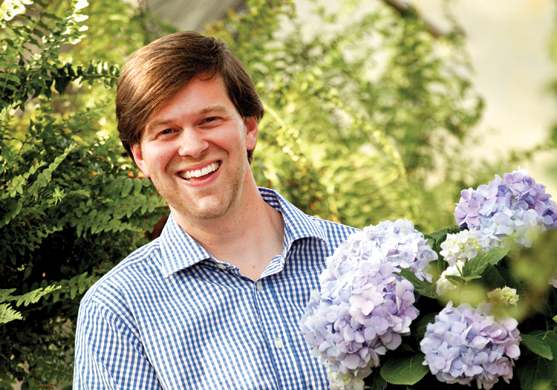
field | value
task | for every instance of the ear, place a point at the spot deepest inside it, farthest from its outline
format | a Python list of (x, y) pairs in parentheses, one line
[(251, 132), (138, 158)]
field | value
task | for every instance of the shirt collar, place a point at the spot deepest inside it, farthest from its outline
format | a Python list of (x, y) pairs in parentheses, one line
[(179, 250)]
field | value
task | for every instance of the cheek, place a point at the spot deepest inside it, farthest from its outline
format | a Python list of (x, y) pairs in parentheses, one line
[(156, 160)]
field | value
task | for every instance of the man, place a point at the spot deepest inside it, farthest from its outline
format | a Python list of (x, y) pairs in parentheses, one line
[(214, 302)]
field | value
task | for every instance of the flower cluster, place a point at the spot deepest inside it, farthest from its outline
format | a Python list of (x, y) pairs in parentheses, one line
[(363, 307), (466, 244), (505, 295), (402, 246), (507, 208), (507, 212), (466, 344)]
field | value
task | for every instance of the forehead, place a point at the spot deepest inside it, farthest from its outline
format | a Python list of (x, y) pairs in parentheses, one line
[(196, 97)]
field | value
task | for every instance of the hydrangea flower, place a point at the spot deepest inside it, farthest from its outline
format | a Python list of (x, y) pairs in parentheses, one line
[(402, 246), (506, 295), (507, 208), (465, 345), (466, 244), (444, 285), (353, 380), (363, 307)]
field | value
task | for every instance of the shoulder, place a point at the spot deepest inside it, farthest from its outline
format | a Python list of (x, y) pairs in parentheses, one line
[(335, 232), (300, 225), (143, 263)]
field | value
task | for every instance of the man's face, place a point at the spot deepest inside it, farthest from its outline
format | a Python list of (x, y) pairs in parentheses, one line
[(194, 151)]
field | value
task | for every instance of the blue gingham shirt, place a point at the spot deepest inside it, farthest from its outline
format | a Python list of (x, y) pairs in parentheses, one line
[(171, 316)]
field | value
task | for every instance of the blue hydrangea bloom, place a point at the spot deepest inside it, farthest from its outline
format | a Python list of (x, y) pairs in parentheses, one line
[(465, 345), (504, 205), (402, 246), (363, 308)]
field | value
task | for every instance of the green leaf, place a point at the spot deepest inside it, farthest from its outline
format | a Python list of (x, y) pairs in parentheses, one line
[(404, 369), (375, 381), (420, 326), (538, 373), (493, 278), (35, 295), (441, 235), (28, 270), (420, 286), (128, 185), (7, 314), (539, 347), (73, 291), (479, 263), (456, 280)]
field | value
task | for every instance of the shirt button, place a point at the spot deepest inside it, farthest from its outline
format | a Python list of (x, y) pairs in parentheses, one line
[(278, 343), (259, 286), (221, 266)]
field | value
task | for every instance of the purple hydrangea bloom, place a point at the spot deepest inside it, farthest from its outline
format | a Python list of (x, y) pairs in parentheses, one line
[(467, 213), (402, 246), (363, 308), (507, 207), (466, 344)]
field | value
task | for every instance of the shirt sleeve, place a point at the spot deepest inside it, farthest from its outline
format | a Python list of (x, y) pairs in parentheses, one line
[(109, 353)]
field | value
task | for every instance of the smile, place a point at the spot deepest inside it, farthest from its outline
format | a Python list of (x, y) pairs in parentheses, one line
[(200, 172)]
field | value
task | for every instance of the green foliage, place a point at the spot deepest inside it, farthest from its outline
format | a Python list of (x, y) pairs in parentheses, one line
[(7, 313), (536, 367), (361, 115), (539, 371), (404, 369), (536, 345), (70, 206)]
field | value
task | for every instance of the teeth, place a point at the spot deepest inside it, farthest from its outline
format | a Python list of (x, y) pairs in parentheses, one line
[(201, 172)]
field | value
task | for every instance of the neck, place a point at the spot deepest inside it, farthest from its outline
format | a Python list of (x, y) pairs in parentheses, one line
[(248, 236)]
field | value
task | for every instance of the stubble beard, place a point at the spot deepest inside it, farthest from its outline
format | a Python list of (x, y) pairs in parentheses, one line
[(191, 205)]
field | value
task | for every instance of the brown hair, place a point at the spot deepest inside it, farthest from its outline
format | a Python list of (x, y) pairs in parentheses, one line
[(156, 72)]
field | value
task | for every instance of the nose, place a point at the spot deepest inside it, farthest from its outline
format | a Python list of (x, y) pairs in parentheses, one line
[(192, 143)]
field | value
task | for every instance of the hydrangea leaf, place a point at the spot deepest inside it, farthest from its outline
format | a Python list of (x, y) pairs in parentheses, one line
[(421, 325), (492, 278), (456, 280), (404, 369), (471, 277), (479, 263), (375, 381), (440, 235), (536, 345), (550, 338), (421, 287), (538, 373)]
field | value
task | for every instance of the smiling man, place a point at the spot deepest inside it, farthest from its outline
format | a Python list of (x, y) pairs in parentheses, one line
[(214, 302)]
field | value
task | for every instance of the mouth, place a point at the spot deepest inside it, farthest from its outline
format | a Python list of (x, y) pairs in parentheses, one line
[(197, 173)]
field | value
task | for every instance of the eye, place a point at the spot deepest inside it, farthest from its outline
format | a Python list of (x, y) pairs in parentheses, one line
[(166, 131), (210, 119)]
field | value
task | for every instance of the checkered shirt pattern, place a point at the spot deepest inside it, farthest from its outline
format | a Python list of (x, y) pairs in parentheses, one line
[(171, 316)]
